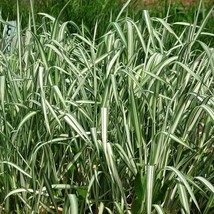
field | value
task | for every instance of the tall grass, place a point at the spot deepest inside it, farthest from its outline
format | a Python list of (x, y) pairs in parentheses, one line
[(122, 123)]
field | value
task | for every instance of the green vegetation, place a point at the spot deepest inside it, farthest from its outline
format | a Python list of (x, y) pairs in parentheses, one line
[(79, 11), (90, 12), (117, 123)]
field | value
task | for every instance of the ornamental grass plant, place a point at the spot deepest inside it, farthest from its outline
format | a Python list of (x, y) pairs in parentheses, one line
[(120, 123)]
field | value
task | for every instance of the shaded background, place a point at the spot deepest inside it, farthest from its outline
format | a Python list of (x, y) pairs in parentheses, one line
[(90, 11)]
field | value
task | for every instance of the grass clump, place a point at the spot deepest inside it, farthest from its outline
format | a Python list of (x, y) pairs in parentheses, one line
[(121, 123)]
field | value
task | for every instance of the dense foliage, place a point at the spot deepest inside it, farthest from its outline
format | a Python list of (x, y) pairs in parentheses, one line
[(84, 11), (90, 12), (120, 123)]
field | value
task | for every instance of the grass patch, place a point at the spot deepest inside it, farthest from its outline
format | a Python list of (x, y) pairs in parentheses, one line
[(118, 123)]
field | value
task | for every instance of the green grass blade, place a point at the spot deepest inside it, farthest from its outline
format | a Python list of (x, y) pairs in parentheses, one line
[(73, 204), (184, 198), (158, 208), (184, 181), (206, 183), (149, 187), (16, 167)]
